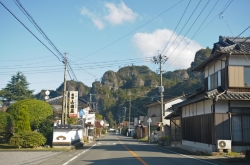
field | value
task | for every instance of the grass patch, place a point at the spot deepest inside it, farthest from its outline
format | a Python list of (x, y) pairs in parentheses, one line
[(233, 154), (6, 146), (145, 139)]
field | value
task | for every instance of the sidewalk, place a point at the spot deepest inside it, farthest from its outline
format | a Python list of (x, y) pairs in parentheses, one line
[(200, 155)]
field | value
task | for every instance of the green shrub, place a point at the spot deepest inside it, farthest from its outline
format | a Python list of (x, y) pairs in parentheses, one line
[(27, 140), (104, 131), (6, 126), (16, 141), (72, 120), (164, 138)]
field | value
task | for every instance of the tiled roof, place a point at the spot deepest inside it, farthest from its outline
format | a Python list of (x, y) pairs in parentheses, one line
[(228, 95), (215, 94), (226, 45), (232, 44)]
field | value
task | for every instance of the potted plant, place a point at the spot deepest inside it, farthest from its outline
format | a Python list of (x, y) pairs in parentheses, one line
[(164, 141)]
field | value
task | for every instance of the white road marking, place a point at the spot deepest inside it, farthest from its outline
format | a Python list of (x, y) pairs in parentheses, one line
[(185, 155), (78, 155)]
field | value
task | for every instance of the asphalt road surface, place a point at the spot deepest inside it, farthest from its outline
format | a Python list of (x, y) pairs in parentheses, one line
[(121, 150)]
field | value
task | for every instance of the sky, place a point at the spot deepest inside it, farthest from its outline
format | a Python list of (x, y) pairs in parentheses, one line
[(98, 36)]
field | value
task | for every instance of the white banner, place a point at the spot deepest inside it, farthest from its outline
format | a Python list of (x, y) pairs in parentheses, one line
[(73, 103)]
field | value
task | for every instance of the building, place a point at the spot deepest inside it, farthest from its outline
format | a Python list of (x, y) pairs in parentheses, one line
[(221, 110), (154, 112)]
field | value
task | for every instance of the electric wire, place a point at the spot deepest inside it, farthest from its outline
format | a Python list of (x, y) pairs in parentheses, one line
[(194, 33), (190, 28), (216, 16), (176, 27), (132, 31), (30, 18), (182, 28), (43, 34), (30, 31)]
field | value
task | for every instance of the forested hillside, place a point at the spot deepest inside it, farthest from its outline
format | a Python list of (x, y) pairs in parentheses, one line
[(138, 83)]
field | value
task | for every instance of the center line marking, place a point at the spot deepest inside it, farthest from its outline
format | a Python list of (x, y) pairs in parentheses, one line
[(133, 153)]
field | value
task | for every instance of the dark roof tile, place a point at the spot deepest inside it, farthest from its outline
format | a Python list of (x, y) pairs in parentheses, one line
[(215, 94), (224, 46)]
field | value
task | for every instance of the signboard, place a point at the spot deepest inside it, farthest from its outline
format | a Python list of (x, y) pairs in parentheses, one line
[(73, 103)]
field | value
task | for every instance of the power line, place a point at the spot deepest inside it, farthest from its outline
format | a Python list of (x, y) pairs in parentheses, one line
[(183, 27), (132, 31), (216, 16), (30, 18), (190, 27), (83, 69), (29, 31), (176, 26), (227, 6), (195, 32)]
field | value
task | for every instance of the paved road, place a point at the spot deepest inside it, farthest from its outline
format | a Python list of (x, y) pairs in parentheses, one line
[(120, 150), (110, 150)]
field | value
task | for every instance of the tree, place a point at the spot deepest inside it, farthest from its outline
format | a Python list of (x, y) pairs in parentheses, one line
[(21, 117), (6, 125), (38, 111), (27, 139), (110, 119), (46, 129), (17, 88), (98, 116)]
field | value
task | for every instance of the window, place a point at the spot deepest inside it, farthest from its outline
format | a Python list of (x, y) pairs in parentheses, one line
[(214, 80), (246, 76), (239, 76), (241, 125)]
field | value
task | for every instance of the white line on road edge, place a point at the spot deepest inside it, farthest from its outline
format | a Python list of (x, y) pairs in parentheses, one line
[(78, 155), (185, 155)]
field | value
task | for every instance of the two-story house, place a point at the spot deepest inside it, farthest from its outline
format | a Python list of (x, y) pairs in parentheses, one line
[(154, 112), (221, 111)]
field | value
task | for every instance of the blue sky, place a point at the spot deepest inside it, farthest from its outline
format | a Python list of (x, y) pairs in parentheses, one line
[(105, 35)]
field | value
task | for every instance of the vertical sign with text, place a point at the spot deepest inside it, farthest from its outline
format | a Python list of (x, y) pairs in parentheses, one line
[(73, 103)]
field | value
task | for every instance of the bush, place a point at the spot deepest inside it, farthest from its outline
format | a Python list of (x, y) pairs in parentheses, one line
[(27, 140), (104, 131), (164, 138), (6, 126), (72, 120), (36, 112)]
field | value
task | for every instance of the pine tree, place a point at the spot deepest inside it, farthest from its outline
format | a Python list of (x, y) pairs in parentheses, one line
[(17, 88)]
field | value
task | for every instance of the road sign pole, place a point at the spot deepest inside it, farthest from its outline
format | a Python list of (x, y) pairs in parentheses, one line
[(149, 121)]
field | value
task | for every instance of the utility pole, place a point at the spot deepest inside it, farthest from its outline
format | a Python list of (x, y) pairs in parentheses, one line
[(129, 115), (90, 100), (125, 113), (159, 60), (66, 107), (64, 113)]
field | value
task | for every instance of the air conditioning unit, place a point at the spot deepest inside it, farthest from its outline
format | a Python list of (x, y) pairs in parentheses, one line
[(223, 144)]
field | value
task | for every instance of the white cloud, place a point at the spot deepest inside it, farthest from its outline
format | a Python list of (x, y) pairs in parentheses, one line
[(97, 21), (119, 14), (149, 44)]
